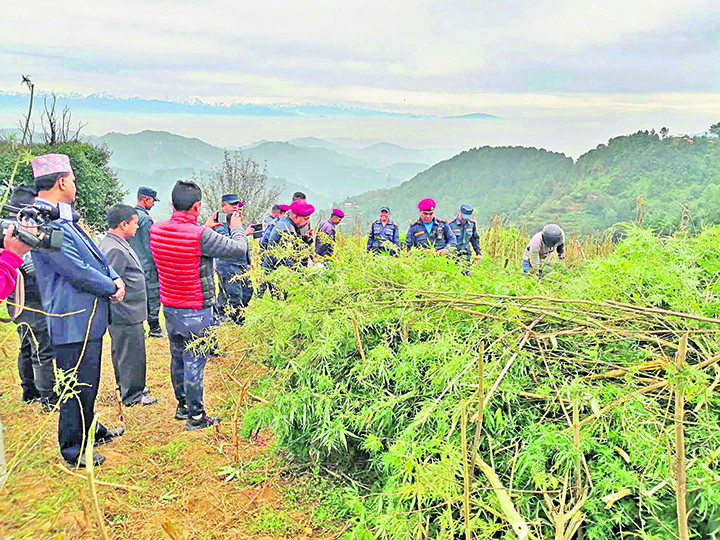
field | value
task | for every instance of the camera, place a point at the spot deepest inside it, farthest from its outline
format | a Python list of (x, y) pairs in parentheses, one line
[(223, 219), (257, 230), (49, 235)]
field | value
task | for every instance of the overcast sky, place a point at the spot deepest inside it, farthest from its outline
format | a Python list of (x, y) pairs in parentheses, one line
[(563, 74), (403, 54)]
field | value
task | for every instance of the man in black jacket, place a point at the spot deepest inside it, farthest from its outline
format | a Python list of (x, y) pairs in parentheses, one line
[(146, 199), (36, 359)]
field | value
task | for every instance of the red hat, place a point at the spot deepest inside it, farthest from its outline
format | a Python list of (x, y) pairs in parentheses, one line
[(301, 208), (426, 205), (337, 212), (284, 207)]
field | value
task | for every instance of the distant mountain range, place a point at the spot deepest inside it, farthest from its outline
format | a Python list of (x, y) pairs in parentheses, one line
[(325, 170), (109, 103)]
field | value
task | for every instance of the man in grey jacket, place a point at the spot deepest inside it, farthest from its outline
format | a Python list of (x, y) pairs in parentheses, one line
[(127, 317)]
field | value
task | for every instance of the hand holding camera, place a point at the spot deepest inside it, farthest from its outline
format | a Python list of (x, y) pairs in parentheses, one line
[(33, 227), (12, 242)]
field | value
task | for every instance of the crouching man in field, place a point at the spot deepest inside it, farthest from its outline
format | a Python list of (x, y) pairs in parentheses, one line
[(541, 246), (183, 251)]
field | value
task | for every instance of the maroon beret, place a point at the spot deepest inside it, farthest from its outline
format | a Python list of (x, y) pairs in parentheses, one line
[(301, 208), (284, 207), (426, 204), (339, 213)]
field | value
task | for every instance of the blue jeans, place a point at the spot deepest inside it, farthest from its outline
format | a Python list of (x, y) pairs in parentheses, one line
[(187, 367)]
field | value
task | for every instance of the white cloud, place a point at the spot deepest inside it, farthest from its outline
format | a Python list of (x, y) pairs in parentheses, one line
[(434, 52)]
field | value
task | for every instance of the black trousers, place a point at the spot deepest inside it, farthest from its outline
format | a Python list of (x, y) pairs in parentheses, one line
[(235, 293), (152, 288), (35, 361), (77, 410)]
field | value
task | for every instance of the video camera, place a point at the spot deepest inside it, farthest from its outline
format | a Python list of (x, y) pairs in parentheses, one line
[(49, 235)]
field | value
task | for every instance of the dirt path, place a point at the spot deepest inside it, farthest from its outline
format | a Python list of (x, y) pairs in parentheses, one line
[(187, 484)]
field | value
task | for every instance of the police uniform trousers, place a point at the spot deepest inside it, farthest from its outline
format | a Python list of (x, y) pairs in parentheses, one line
[(187, 365), (35, 362), (77, 410), (464, 259), (129, 360), (152, 288), (235, 293)]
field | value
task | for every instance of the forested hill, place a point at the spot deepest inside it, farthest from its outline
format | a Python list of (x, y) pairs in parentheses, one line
[(534, 186), (495, 180), (674, 175)]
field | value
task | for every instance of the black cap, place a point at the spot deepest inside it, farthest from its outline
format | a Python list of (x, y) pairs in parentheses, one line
[(147, 192), (22, 196), (231, 198)]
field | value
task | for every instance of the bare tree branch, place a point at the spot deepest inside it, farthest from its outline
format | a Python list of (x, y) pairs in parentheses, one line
[(56, 127), (244, 177), (26, 81)]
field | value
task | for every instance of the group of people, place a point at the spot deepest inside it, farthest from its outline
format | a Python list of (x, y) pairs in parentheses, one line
[(459, 237), (74, 295)]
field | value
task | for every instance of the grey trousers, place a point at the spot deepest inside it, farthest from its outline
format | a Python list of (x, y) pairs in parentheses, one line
[(129, 360)]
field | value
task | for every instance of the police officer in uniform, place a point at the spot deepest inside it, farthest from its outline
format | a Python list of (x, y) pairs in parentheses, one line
[(384, 236), (430, 232), (269, 226), (146, 199), (466, 235), (287, 235), (235, 292)]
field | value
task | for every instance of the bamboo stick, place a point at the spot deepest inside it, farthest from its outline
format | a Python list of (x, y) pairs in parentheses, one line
[(358, 339), (505, 369), (518, 524), (466, 473), (680, 465), (90, 468), (64, 469)]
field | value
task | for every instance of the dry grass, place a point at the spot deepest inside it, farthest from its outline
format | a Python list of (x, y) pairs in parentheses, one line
[(180, 493)]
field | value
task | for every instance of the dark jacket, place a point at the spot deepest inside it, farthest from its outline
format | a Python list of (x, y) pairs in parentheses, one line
[(181, 272), (466, 235), (441, 236), (141, 244), (32, 296), (133, 309), (72, 280), (230, 266), (380, 235), (287, 238), (325, 240)]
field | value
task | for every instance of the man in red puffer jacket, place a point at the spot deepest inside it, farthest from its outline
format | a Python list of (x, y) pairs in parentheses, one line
[(183, 252)]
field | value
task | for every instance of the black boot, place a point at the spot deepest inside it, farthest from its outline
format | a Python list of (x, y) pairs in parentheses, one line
[(30, 395), (155, 330)]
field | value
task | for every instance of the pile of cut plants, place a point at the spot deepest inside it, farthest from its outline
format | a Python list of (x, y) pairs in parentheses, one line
[(499, 405)]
